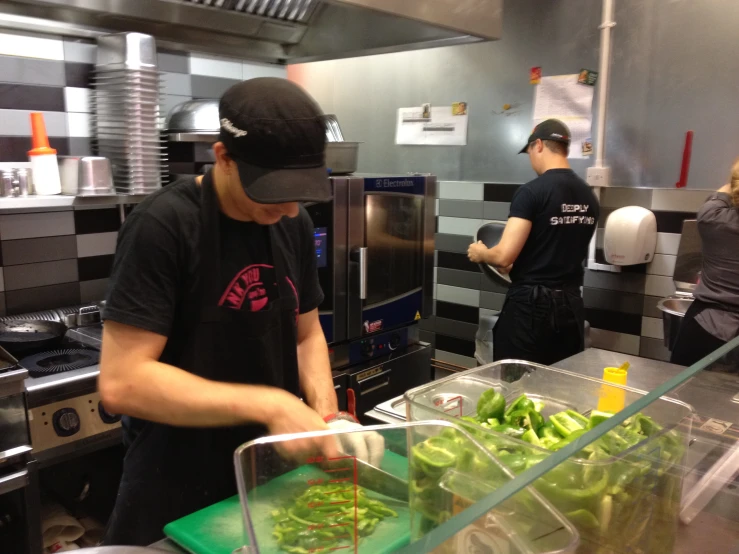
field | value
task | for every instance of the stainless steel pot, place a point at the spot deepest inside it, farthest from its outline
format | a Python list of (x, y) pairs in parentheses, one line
[(342, 157)]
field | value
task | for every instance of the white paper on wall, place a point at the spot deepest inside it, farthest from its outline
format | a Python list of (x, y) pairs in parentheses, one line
[(437, 126), (562, 97)]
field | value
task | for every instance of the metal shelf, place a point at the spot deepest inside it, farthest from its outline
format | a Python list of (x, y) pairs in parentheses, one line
[(60, 202)]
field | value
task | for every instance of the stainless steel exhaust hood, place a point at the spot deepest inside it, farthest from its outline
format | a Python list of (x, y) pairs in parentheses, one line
[(282, 31)]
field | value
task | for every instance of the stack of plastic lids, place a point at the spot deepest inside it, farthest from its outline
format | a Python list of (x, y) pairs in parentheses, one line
[(126, 111)]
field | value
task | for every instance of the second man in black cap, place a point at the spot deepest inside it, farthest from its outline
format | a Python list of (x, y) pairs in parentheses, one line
[(551, 222), (211, 324)]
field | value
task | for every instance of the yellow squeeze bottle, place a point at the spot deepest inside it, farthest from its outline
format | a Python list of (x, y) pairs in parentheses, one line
[(613, 399)]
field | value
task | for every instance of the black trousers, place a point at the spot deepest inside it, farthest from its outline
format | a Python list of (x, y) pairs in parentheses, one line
[(540, 325), (693, 341)]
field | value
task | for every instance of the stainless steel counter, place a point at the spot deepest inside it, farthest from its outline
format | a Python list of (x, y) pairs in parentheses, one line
[(712, 394)]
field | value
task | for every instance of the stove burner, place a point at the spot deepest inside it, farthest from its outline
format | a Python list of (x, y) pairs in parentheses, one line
[(59, 361)]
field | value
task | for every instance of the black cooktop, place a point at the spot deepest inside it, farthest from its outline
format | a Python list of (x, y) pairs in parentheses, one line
[(66, 356)]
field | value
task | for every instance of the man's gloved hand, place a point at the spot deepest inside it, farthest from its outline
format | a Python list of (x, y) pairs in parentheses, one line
[(368, 446)]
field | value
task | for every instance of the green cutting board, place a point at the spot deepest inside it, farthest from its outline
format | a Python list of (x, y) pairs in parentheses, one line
[(219, 529)]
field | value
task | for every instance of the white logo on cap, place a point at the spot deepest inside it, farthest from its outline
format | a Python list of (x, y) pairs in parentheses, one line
[(557, 135), (231, 128)]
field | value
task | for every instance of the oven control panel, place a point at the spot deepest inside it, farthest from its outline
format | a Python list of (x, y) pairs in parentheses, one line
[(378, 345), (82, 418)]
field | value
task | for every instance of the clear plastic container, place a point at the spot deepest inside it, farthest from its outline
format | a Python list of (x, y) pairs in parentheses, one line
[(625, 503), (431, 472)]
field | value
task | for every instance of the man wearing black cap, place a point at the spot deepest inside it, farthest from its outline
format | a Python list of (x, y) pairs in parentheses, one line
[(211, 324), (550, 225)]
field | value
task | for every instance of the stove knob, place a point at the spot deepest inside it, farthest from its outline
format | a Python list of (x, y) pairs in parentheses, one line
[(394, 341), (367, 349), (106, 416), (66, 422)]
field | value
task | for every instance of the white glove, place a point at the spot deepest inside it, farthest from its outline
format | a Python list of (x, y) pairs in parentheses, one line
[(368, 446)]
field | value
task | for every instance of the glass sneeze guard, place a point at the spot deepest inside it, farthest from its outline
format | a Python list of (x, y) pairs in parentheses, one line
[(551, 462)]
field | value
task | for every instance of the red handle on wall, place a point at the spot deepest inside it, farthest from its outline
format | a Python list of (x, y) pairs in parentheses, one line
[(685, 168)]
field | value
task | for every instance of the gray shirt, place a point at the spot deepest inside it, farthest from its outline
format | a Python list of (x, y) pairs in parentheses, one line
[(718, 225)]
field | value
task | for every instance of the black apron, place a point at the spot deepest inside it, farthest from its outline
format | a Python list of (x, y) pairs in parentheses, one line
[(540, 324), (170, 472)]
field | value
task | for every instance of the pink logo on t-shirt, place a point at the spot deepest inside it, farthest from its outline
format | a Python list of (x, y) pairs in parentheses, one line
[(249, 286)]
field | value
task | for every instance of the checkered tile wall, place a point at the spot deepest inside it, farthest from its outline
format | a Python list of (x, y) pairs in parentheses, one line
[(51, 259), (620, 307)]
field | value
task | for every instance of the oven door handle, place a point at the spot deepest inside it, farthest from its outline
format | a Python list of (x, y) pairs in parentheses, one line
[(13, 481), (359, 256)]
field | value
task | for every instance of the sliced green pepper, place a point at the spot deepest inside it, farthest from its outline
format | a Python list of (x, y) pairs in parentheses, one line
[(510, 430), (555, 491), (583, 519), (597, 417), (565, 424), (490, 405), (527, 418), (577, 416), (520, 403), (573, 436), (531, 437), (438, 458)]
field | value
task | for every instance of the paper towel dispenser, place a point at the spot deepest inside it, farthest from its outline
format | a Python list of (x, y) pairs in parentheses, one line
[(630, 236)]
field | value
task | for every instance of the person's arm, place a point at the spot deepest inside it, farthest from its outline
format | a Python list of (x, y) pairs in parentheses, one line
[(314, 366), (506, 252), (133, 382)]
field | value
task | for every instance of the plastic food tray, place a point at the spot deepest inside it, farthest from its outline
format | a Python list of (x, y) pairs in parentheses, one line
[(641, 518), (423, 498)]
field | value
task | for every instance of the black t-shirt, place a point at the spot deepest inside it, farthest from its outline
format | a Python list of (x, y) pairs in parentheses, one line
[(564, 214), (157, 259)]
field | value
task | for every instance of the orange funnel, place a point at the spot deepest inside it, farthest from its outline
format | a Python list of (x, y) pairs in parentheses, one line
[(40, 139)]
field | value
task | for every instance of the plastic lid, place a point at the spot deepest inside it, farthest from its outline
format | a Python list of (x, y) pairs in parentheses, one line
[(40, 138)]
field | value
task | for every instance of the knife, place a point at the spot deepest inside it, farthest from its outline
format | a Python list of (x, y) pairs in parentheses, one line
[(375, 479)]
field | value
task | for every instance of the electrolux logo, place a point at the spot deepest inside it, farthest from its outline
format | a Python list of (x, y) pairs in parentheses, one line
[(394, 183)]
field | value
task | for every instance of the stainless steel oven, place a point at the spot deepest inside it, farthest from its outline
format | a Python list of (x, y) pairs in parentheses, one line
[(375, 254), (20, 520)]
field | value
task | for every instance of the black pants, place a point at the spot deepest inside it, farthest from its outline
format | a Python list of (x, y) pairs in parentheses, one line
[(693, 341), (541, 325)]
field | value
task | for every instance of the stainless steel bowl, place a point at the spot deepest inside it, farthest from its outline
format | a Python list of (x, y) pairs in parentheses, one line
[(194, 116), (490, 234), (673, 311)]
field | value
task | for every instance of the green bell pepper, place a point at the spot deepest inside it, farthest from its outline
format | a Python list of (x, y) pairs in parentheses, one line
[(490, 405), (565, 424), (510, 430), (583, 519), (597, 417), (573, 436), (531, 437), (527, 418), (520, 403)]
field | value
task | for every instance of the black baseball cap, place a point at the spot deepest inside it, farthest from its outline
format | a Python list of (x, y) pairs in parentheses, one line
[(275, 133), (551, 129)]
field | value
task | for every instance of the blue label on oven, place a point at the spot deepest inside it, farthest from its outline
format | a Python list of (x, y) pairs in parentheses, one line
[(395, 313), (408, 185), (327, 323)]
